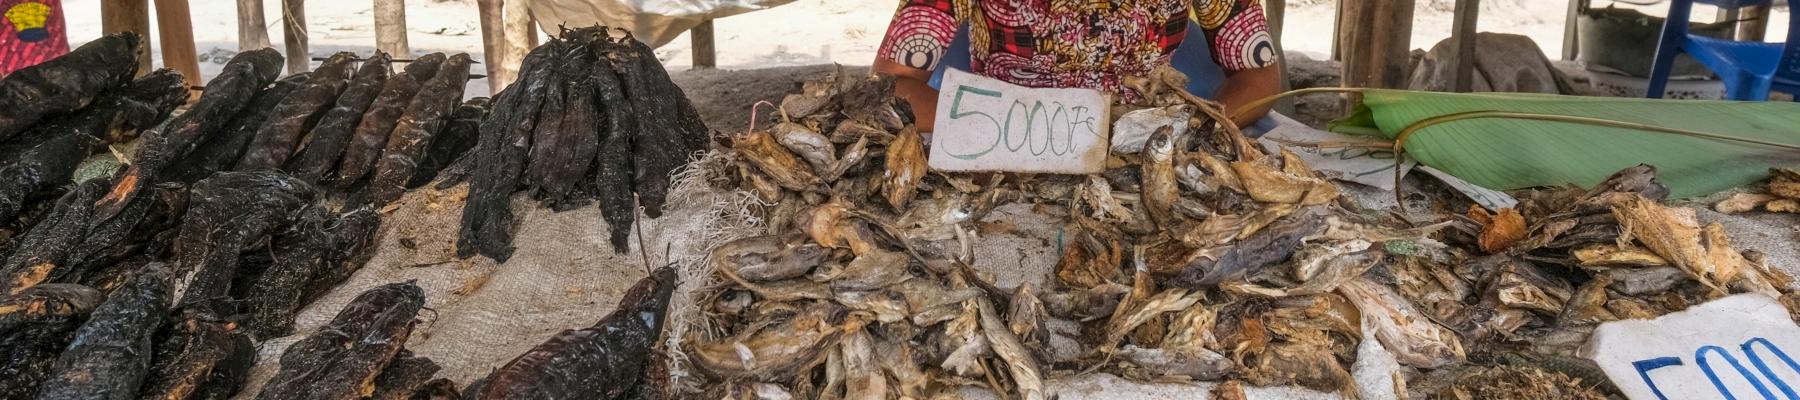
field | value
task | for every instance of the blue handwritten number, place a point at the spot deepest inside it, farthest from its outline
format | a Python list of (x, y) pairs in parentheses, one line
[(956, 104), (1700, 358), (1764, 367), (1644, 367)]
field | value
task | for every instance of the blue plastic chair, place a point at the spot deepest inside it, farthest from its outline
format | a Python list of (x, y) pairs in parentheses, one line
[(1748, 69)]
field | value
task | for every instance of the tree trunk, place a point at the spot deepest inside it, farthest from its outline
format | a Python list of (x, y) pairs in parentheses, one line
[(493, 44), (177, 36), (129, 16), (293, 28), (253, 28), (390, 28)]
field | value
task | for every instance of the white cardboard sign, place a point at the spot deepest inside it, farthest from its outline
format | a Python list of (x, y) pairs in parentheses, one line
[(1742, 346), (984, 124)]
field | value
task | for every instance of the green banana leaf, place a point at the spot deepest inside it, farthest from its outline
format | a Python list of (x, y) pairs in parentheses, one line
[(1508, 154)]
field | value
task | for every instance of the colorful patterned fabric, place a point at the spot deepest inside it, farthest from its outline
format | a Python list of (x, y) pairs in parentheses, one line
[(31, 32), (1075, 43)]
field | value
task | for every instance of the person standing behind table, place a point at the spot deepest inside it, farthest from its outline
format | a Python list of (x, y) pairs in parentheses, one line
[(33, 32), (1222, 45)]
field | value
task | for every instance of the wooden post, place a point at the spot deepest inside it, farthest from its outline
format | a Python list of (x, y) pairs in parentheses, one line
[(493, 44), (516, 22), (293, 28), (1337, 30), (1572, 29), (1276, 11), (702, 37), (390, 28), (129, 16), (1376, 44), (1464, 33), (1753, 23), (176, 32), (253, 28)]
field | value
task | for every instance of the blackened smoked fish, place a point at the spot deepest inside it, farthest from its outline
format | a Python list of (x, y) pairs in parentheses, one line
[(604, 361), (220, 151), (500, 159), (421, 121), (670, 131), (111, 353), (458, 136), (328, 138), (35, 325), (378, 123), (229, 212), (40, 255), (345, 357), (403, 377), (72, 137), (353, 245), (563, 145), (613, 164), (299, 253), (23, 308), (66, 83), (226, 94), (297, 113), (200, 356)]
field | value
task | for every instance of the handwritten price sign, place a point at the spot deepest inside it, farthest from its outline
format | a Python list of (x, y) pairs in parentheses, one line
[(1737, 347), (988, 125)]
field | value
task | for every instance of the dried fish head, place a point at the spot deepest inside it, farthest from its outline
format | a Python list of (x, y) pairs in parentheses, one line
[(1520, 284), (762, 150), (1160, 191), (905, 168), (1196, 364), (768, 258), (1412, 336), (1085, 305), (1265, 183), (809, 144), (774, 352), (871, 271), (881, 305)]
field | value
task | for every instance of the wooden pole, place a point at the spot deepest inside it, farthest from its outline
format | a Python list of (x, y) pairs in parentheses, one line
[(293, 28), (176, 31), (1376, 44), (1754, 23), (516, 22), (705, 55), (1572, 30), (493, 44), (253, 28), (1276, 11), (1464, 33), (129, 16), (390, 28)]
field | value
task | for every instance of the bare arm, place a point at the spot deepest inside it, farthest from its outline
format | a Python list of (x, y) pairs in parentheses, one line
[(1243, 87), (912, 84)]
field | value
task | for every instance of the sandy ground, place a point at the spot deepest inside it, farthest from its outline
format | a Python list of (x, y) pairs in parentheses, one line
[(484, 314), (805, 32)]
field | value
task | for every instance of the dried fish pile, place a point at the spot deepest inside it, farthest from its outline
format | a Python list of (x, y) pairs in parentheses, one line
[(1783, 195), (361, 354), (158, 279), (592, 118), (1201, 256), (60, 112)]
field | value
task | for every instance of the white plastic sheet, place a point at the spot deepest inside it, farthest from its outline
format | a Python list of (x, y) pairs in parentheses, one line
[(655, 22)]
